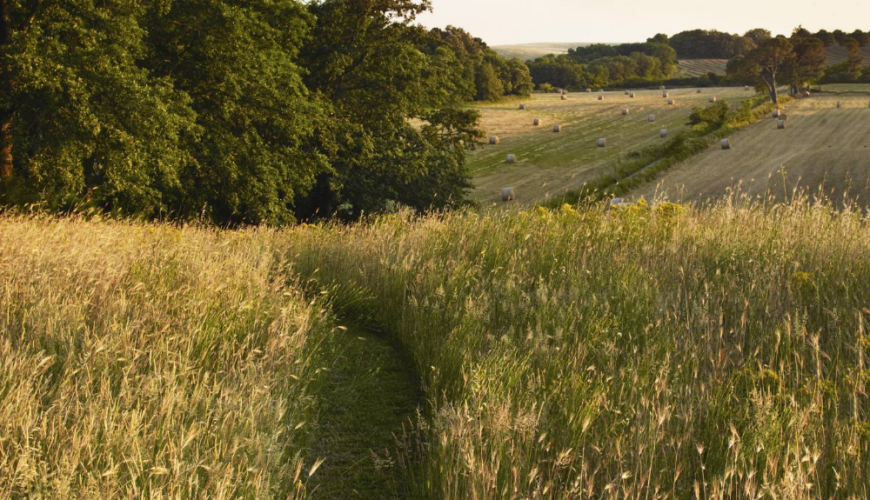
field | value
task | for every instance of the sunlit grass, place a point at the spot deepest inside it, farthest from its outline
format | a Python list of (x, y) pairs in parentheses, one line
[(141, 361), (650, 352)]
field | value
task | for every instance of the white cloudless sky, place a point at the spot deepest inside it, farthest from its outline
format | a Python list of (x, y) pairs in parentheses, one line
[(500, 22)]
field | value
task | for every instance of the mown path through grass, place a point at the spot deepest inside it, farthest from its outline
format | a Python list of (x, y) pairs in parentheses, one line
[(369, 394)]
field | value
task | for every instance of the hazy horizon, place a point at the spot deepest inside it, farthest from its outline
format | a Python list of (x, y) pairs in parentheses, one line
[(509, 22)]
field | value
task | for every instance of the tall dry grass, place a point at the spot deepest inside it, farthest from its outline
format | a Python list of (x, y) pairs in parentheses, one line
[(645, 353), (141, 361)]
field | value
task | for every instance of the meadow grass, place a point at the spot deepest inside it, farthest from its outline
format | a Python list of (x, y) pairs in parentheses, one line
[(645, 353), (146, 361)]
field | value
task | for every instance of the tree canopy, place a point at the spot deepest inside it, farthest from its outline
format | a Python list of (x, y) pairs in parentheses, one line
[(250, 112)]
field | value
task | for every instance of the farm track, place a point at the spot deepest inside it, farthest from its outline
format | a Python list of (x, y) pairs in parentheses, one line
[(370, 394)]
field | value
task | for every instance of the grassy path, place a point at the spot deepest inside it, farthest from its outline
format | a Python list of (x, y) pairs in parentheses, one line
[(369, 394)]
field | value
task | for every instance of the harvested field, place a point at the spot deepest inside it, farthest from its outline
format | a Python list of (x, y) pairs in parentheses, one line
[(822, 145), (551, 164)]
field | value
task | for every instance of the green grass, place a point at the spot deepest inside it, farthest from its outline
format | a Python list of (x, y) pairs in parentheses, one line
[(639, 353), (365, 400), (642, 352), (147, 361)]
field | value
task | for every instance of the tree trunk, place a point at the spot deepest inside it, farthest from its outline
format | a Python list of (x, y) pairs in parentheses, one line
[(771, 84), (6, 148), (5, 114)]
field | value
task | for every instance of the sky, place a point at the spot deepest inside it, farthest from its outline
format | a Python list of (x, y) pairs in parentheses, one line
[(500, 22)]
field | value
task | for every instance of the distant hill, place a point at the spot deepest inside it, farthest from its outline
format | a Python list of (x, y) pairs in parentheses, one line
[(688, 67), (837, 54), (529, 51)]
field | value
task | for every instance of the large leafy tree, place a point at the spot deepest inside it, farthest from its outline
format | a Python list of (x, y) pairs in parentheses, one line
[(82, 121), (393, 135), (237, 62), (764, 65), (808, 64)]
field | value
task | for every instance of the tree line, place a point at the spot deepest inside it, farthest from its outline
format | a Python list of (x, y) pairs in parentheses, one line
[(601, 65), (239, 112)]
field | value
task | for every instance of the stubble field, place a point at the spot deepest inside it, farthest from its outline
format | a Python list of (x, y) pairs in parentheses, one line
[(550, 164)]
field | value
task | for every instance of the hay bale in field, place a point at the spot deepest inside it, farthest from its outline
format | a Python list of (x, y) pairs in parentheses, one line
[(564, 97), (671, 102), (746, 87), (564, 92), (507, 194), (511, 158), (776, 113), (557, 128), (624, 111), (839, 105), (522, 106), (662, 87), (663, 133), (726, 143), (602, 142), (538, 122), (651, 118), (783, 116), (666, 94), (631, 95), (698, 91), (713, 98), (780, 124), (627, 92), (600, 97), (588, 91), (494, 140)]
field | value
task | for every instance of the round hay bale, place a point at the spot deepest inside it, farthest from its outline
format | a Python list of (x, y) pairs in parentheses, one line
[(651, 118), (662, 87), (839, 105), (713, 98), (665, 94), (726, 143), (671, 102), (663, 133), (776, 113), (631, 95), (523, 106), (511, 158), (602, 142), (783, 116), (564, 97), (507, 194), (780, 124), (538, 122), (746, 87), (588, 90), (564, 92), (600, 97), (557, 128), (494, 140), (627, 92), (624, 111), (698, 91)]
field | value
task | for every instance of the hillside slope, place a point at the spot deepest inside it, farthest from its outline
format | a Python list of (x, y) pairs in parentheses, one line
[(821, 144), (529, 51), (550, 164)]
